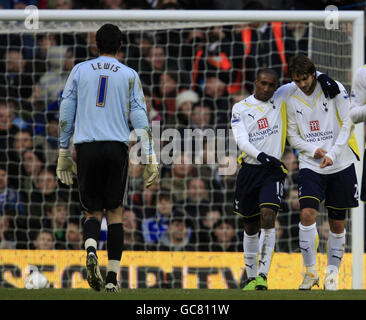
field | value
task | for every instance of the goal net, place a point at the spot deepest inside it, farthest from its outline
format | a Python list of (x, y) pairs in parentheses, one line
[(192, 71)]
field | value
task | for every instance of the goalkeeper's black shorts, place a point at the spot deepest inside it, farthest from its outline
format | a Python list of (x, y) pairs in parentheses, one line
[(102, 174), (257, 187)]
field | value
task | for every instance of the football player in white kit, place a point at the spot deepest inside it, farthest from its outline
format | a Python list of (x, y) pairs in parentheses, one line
[(321, 130)]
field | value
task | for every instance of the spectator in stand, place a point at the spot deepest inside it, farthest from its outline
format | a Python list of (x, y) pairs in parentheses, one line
[(264, 47), (52, 82), (11, 201), (17, 78), (143, 200), (178, 235), (113, 4), (46, 192), (323, 235), (6, 240), (184, 104), (56, 220), (7, 126), (201, 117), (74, 235), (197, 199), (62, 4), (218, 56), (44, 240), (32, 164), (176, 178), (296, 39), (133, 239), (281, 244), (291, 162), (153, 114), (225, 237), (49, 141), (165, 99), (154, 227), (22, 140), (289, 219), (205, 230), (226, 181)]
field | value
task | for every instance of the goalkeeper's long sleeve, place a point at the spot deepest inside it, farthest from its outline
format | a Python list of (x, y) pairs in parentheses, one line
[(140, 123), (67, 111)]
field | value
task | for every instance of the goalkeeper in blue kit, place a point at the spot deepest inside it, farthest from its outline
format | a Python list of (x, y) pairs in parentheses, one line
[(100, 97), (259, 127)]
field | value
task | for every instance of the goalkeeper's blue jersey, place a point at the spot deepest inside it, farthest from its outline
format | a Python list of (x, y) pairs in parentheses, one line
[(99, 96)]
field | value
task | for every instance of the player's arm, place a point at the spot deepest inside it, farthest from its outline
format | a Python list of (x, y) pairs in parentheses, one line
[(294, 138), (241, 137), (65, 165), (140, 122), (358, 98), (343, 108)]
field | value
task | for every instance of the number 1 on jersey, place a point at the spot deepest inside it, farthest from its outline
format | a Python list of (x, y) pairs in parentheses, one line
[(102, 91)]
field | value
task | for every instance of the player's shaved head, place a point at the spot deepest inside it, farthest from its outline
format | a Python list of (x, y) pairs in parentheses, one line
[(267, 71), (265, 84), (109, 39)]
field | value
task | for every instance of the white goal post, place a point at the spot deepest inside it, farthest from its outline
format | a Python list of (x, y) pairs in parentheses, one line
[(200, 18)]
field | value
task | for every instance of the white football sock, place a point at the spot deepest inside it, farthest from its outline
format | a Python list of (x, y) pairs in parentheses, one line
[(336, 242), (267, 242), (308, 243), (251, 245)]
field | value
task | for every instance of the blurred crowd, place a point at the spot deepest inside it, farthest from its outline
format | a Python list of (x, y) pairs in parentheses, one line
[(191, 79)]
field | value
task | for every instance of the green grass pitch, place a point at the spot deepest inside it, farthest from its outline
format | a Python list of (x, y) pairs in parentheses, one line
[(178, 294)]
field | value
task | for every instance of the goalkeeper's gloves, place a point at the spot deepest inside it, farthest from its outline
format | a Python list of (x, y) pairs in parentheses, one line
[(66, 166), (151, 171), (269, 161), (329, 86)]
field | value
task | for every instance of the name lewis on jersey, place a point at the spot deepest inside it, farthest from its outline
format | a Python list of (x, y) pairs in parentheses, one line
[(105, 66)]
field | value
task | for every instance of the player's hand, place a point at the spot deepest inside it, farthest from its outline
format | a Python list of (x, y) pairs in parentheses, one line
[(319, 153), (326, 161), (151, 171), (66, 167), (329, 86), (269, 161)]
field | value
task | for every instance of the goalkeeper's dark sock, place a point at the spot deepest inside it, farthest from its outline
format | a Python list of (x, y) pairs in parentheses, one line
[(91, 231), (111, 277), (114, 249)]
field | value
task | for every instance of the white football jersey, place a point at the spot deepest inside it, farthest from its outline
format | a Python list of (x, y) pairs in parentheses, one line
[(260, 126), (358, 96), (317, 122)]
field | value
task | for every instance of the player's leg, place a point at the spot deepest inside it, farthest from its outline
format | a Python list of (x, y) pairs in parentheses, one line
[(114, 193), (337, 199), (246, 204), (267, 241), (91, 232), (114, 247), (250, 248), (90, 190), (311, 193), (270, 197), (336, 243)]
